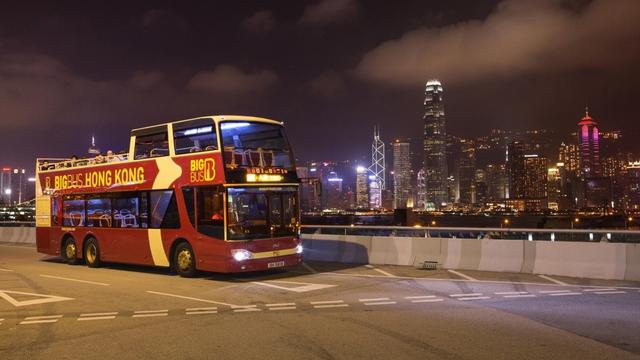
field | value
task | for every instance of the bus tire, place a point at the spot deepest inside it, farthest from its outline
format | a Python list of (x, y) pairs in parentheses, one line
[(70, 251), (92, 253), (184, 260)]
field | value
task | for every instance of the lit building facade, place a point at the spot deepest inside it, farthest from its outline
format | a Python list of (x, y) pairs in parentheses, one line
[(434, 145), (362, 195), (589, 143), (401, 174)]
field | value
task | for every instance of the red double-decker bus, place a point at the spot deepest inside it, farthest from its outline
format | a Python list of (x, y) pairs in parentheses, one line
[(215, 193)]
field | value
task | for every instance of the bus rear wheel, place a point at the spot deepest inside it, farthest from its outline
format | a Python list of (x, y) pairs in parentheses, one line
[(69, 251), (184, 260), (92, 253)]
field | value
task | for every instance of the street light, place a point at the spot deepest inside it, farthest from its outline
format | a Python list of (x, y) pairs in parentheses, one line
[(505, 223), (576, 220), (629, 221), (433, 223)]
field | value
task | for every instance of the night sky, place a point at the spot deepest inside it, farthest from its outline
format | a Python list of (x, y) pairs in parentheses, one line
[(329, 69)]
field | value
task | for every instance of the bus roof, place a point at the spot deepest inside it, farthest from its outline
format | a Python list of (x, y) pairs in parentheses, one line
[(217, 119)]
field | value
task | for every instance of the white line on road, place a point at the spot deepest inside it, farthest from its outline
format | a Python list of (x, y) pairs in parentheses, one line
[(565, 294), (553, 291), (374, 299), (149, 315), (600, 289), (97, 318), (426, 300), (466, 277), (202, 309), (246, 310), (469, 294), (330, 306), (150, 311), (7, 270), (610, 292), (552, 280), (326, 302), (283, 308), (511, 293), (380, 303), (99, 314), (76, 280), (201, 312), (474, 298), (190, 298), (41, 319), (309, 268), (379, 270), (520, 296), (244, 306), (280, 304), (420, 297)]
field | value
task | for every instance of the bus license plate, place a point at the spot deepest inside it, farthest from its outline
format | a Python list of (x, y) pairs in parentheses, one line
[(275, 264)]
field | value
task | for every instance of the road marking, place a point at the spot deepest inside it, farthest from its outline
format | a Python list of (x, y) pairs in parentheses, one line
[(7, 270), (99, 314), (43, 299), (469, 294), (601, 289), (309, 268), (202, 309), (565, 294), (467, 277), (374, 299), (326, 302), (76, 280), (247, 309), (244, 306), (520, 296), (474, 298), (379, 270), (41, 319), (283, 308), (610, 292), (280, 304), (190, 298), (553, 280), (202, 312), (97, 318), (330, 306), (464, 281), (380, 303), (426, 300), (420, 297), (553, 291), (511, 292), (300, 288), (150, 313)]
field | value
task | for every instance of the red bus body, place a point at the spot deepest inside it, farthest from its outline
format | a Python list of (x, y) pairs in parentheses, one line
[(132, 239)]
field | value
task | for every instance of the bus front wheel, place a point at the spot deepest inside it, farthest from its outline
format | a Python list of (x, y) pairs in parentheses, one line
[(184, 260), (92, 253), (69, 252)]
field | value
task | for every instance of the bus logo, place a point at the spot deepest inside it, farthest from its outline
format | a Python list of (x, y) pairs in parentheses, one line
[(202, 170)]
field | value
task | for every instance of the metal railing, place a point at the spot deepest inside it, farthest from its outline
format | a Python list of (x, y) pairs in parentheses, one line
[(584, 235)]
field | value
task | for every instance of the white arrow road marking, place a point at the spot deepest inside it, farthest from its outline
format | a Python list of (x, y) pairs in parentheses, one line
[(302, 287), (553, 280), (191, 298), (43, 299), (76, 280)]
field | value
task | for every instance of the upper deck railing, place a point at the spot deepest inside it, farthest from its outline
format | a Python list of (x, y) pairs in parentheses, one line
[(47, 164), (586, 235)]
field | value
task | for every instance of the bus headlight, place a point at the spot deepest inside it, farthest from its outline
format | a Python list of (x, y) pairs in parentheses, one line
[(241, 254), (299, 249)]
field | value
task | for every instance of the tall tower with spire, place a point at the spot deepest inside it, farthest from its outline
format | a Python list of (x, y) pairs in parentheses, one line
[(93, 150), (589, 143), (377, 167), (435, 145)]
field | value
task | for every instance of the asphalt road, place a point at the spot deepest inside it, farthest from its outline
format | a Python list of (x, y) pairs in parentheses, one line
[(50, 310)]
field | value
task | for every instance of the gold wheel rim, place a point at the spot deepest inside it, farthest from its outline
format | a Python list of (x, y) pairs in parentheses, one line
[(70, 251), (91, 253), (185, 259)]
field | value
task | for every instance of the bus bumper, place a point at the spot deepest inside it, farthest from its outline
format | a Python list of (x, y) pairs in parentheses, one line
[(272, 263)]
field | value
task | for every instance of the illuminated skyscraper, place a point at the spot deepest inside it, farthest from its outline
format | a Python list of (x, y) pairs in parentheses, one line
[(589, 146), (435, 157), (401, 174), (421, 201), (362, 196), (378, 166), (5, 186)]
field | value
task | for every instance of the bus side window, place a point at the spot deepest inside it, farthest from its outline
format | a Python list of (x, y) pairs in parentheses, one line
[(73, 211), (126, 210), (153, 145), (164, 210), (189, 203), (54, 211), (211, 212)]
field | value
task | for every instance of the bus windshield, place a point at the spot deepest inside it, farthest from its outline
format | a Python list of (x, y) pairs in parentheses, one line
[(253, 144), (255, 213)]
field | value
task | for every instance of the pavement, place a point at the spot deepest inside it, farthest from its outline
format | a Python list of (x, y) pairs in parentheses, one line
[(51, 310)]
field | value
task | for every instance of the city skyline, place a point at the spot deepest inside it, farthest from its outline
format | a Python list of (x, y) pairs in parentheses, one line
[(327, 71)]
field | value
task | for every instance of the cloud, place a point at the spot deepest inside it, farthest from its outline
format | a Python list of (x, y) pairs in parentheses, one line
[(519, 37), (329, 11), (230, 79), (260, 22), (164, 20), (329, 84)]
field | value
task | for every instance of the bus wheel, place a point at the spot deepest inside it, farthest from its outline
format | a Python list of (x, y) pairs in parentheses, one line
[(69, 252), (184, 261), (92, 253)]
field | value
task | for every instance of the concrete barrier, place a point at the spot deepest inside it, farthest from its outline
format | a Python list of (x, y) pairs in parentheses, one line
[(18, 235), (615, 261)]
